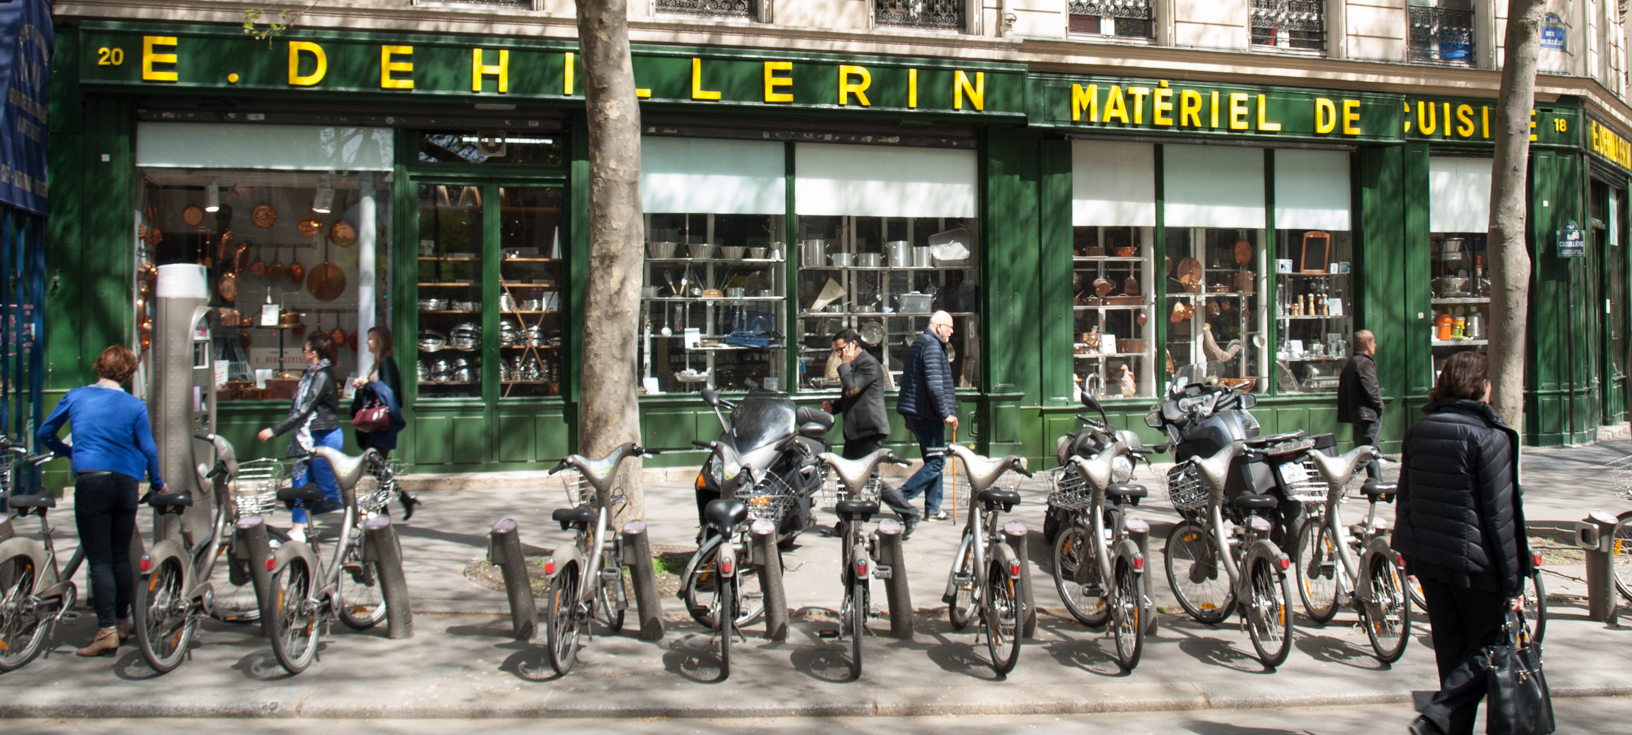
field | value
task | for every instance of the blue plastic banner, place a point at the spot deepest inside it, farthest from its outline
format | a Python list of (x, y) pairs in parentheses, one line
[(26, 42)]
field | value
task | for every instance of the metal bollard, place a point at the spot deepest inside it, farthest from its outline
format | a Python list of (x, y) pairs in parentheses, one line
[(637, 555), (254, 549), (769, 563), (892, 556), (1015, 533), (504, 551), (380, 544), (1596, 535)]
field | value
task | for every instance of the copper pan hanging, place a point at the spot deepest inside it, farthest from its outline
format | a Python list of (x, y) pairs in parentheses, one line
[(295, 272), (227, 286), (257, 268), (337, 334), (275, 271), (240, 259), (326, 281)]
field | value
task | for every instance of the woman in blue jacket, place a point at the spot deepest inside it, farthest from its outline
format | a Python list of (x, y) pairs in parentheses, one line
[(113, 449), (383, 382)]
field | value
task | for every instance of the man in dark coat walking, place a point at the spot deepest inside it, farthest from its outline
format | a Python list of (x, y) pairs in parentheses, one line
[(1359, 400), (929, 405), (866, 425)]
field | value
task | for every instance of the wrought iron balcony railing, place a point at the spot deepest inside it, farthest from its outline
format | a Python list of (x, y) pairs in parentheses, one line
[(920, 13), (1298, 24), (1443, 35), (1128, 18), (718, 8)]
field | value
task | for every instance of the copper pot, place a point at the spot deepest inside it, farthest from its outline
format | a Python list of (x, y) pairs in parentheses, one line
[(275, 271), (297, 273)]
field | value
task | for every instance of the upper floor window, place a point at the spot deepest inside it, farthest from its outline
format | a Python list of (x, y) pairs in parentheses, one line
[(920, 13), (1122, 18), (1289, 24), (1442, 32), (724, 8)]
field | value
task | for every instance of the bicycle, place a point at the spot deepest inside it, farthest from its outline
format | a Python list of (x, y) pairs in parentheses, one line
[(1098, 570), (586, 578), (1337, 564), (304, 594), (767, 497), (1199, 547), (35, 595), (860, 552), (986, 571)]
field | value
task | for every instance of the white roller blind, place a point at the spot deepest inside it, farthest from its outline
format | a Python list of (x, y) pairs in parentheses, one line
[(1458, 194), (1213, 186), (276, 147), (1312, 190), (1113, 184), (883, 181), (704, 176)]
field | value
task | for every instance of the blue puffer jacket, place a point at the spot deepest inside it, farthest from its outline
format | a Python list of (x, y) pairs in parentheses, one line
[(926, 384)]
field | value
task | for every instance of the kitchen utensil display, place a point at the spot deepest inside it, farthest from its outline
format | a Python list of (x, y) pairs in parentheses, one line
[(245, 340), (264, 216), (869, 260), (275, 271), (1130, 286), (240, 258), (337, 334), (733, 252), (831, 292), (1243, 253), (1181, 311), (326, 281), (431, 340), (192, 216), (1125, 252), (661, 250), (295, 272), (1141, 317), (899, 253), (872, 333), (1189, 271), (922, 258), (227, 286), (257, 268), (842, 260), (308, 225), (1243, 282), (701, 251), (758, 253), (915, 303), (342, 234), (1102, 286), (813, 253)]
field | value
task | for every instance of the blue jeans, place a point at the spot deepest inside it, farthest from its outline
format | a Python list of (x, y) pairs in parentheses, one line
[(1365, 432), (931, 435), (320, 472)]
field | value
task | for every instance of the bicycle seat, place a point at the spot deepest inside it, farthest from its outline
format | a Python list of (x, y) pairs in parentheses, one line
[(724, 514), (853, 473), (581, 517), (1379, 490), (856, 510), (1097, 469), (309, 492), (1127, 491), (1257, 502), (32, 501), (170, 500), (1006, 498), (347, 470), (1338, 470), (598, 471), (982, 471), (1215, 470)]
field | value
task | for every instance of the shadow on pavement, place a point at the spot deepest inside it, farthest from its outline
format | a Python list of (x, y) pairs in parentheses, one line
[(1330, 649), (528, 663), (1214, 651), (1201, 727), (696, 657), (825, 663)]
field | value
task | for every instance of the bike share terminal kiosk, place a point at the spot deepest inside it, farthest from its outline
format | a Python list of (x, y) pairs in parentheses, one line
[(181, 399)]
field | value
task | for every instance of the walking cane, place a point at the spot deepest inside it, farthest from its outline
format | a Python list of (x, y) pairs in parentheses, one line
[(952, 458)]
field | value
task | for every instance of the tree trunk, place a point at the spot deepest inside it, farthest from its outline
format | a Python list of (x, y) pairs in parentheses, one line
[(1509, 247), (609, 414)]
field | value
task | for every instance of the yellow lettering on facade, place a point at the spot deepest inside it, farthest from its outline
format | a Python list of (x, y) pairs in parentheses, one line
[(857, 88), (772, 81), (976, 92), (1138, 94), (1325, 116), (912, 89), (1085, 99), (1532, 125), (1447, 118), (1189, 108), (1464, 121), (1484, 114), (697, 91), (1263, 118), (1161, 106), (1115, 105), (1351, 117), (1238, 110), (566, 75), (1427, 122), (1215, 110), (296, 48), (149, 58), (1407, 116), (643, 93), (1607, 143), (389, 67), (500, 70)]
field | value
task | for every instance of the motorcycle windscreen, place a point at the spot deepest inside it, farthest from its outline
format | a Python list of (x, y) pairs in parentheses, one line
[(761, 419)]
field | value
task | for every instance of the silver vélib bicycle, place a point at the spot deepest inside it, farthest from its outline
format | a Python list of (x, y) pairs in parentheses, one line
[(986, 572)]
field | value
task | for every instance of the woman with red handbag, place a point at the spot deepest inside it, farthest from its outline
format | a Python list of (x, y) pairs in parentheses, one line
[(376, 413)]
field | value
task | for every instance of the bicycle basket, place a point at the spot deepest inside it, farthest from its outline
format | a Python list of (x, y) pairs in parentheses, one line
[(1620, 472), (255, 489), (377, 490), (1311, 488), (771, 499), (1185, 488), (1067, 489)]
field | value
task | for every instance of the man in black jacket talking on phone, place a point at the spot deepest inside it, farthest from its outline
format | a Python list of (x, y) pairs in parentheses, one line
[(1359, 400), (866, 425)]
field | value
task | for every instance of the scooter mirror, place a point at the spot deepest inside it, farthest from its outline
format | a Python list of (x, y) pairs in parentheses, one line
[(1247, 400), (1090, 401), (710, 397)]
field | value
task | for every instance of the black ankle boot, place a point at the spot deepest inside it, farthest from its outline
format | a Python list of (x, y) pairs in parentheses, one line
[(409, 503)]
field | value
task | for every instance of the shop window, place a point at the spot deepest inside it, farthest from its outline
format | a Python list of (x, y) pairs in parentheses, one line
[(451, 239), (530, 283), (714, 284), (1118, 18), (1114, 319), (1314, 305), (287, 253), (1458, 216), (1289, 24), (497, 148), (886, 237), (1442, 31)]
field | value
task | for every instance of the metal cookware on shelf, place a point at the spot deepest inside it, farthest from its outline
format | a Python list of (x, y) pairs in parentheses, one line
[(899, 253), (813, 253), (872, 333), (733, 252), (758, 253), (342, 234), (431, 340), (326, 281), (275, 271), (701, 251), (842, 260), (914, 302), (922, 257), (308, 225), (869, 260), (467, 306), (264, 216), (661, 249), (433, 304), (466, 337)]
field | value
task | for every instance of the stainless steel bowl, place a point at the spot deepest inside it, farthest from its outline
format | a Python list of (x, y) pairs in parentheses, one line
[(733, 252), (661, 249), (701, 250), (758, 253)]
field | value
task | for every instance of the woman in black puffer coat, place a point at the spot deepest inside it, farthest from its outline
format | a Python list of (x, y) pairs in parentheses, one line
[(1460, 527)]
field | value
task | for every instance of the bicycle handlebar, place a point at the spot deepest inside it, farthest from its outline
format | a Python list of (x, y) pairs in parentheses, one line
[(1015, 465)]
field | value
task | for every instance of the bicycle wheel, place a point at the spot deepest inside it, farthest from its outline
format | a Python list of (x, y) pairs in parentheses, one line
[(726, 627), (22, 622), (1193, 571), (561, 621), (1076, 576), (1003, 611), (362, 604), (1316, 562), (698, 588), (295, 621), (1388, 612), (1621, 547), (961, 609), (162, 616), (1414, 589), (1268, 622), (1128, 613), (232, 590), (856, 621), (1535, 607), (610, 597)]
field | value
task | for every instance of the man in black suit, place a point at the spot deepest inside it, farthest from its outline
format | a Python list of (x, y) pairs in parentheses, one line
[(1359, 399), (866, 425)]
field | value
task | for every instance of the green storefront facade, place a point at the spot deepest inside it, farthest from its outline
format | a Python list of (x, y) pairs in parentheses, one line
[(1028, 145)]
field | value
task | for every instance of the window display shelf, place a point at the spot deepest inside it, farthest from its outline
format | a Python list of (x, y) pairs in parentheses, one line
[(1107, 355), (948, 267), (1313, 358), (1218, 294), (452, 258), (1313, 316), (1095, 307), (449, 311), (1108, 259), (887, 314), (1460, 342), (704, 299), (1313, 275), (721, 261), (1461, 300), (531, 260)]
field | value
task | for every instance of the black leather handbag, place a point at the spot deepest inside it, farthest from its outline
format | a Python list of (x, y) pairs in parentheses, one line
[(1517, 701)]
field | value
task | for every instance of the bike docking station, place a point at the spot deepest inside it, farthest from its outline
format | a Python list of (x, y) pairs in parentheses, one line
[(768, 560), (1596, 536), (892, 558), (257, 545), (1015, 533), (637, 555), (380, 545)]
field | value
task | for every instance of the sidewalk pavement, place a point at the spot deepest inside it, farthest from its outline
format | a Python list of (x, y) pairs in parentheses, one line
[(461, 661)]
